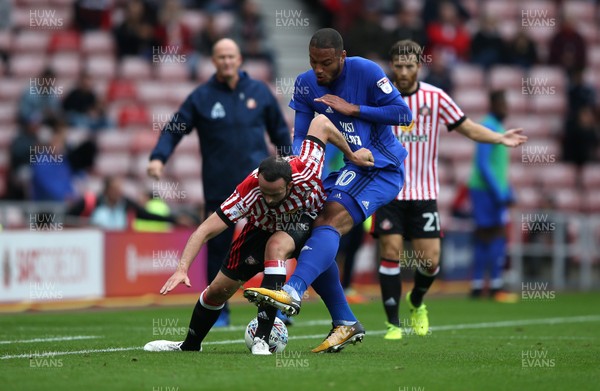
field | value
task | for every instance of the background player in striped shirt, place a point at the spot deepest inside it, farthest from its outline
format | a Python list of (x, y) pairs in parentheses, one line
[(413, 215), (280, 199)]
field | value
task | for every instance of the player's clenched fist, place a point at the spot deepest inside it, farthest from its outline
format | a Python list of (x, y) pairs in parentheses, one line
[(364, 158), (177, 278), (155, 169)]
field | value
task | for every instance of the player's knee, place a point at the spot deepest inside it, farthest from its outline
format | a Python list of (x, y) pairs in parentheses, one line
[(279, 248), (218, 294), (390, 252)]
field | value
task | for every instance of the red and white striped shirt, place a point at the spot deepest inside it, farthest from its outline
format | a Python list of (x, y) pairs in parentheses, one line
[(430, 107), (306, 195)]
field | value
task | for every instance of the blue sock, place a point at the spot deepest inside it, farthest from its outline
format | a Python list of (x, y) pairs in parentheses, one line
[(497, 256), (479, 263), (328, 286), (318, 254)]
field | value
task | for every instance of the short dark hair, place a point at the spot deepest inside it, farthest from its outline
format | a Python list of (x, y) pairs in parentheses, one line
[(496, 96), (405, 48), (275, 167), (327, 38)]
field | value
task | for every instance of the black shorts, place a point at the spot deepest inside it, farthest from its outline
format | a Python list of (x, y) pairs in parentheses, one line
[(411, 219), (246, 255)]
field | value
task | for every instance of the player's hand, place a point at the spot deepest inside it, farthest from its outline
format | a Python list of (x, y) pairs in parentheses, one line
[(363, 158), (513, 138), (338, 104), (155, 169), (177, 278)]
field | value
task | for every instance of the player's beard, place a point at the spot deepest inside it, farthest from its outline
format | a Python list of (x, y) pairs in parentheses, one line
[(336, 74)]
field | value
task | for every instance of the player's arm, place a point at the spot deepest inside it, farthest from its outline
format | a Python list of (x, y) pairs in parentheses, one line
[(302, 122), (395, 112), (210, 228), (324, 130), (171, 134), (479, 133)]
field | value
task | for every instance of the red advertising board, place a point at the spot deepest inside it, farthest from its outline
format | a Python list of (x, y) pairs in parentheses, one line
[(139, 263)]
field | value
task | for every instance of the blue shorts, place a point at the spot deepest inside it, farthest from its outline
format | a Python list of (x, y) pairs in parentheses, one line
[(363, 190), (486, 210)]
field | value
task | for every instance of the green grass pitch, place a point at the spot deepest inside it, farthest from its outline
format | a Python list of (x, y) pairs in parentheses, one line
[(551, 344)]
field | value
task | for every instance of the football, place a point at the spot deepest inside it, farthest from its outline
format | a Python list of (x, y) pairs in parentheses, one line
[(277, 340)]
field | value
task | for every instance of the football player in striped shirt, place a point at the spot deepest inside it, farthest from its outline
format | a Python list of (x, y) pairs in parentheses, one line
[(280, 199), (414, 215)]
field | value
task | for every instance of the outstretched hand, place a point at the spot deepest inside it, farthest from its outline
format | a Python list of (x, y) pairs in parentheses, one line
[(363, 158), (513, 138), (177, 278)]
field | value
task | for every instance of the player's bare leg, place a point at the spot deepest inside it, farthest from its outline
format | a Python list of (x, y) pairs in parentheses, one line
[(390, 249), (205, 314)]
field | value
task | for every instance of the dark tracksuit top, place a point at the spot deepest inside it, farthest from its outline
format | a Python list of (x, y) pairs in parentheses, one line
[(230, 126)]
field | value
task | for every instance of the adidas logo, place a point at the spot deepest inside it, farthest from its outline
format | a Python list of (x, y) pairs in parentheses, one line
[(365, 204), (329, 110)]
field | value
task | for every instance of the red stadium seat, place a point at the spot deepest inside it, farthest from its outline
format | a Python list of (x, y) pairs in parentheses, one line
[(186, 166), (551, 76), (7, 135), (591, 202), (101, 67), (114, 141), (133, 114), (501, 10), (178, 92), (144, 141), (64, 41), (27, 65), (30, 41), (112, 163), (193, 20), (194, 191), (506, 77), (471, 100), (258, 69), (579, 10), (12, 88), (121, 90), (518, 103), (172, 71), (568, 200), (466, 75), (8, 112), (66, 65), (135, 68), (555, 103), (151, 92), (591, 178), (557, 176), (97, 42), (534, 127), (527, 198), (205, 69)]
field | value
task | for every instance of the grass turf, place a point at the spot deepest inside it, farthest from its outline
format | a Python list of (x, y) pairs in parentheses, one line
[(478, 345)]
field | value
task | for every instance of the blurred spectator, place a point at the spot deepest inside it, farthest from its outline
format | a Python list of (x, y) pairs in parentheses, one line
[(449, 34), (5, 24), (582, 137), (112, 210), (367, 38), (249, 31), (409, 27), (156, 206), (579, 94), (170, 30), (19, 174), (438, 74), (568, 48), (431, 11), (52, 175), (487, 47), (521, 50), (204, 41), (82, 107), (40, 102), (92, 14), (135, 36)]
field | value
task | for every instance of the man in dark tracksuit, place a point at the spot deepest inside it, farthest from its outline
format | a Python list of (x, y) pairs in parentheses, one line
[(230, 113)]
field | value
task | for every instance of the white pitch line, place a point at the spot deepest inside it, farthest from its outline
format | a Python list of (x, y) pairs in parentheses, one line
[(508, 323), (51, 339)]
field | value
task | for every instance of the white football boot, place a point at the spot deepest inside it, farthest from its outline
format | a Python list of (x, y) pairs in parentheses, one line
[(260, 347)]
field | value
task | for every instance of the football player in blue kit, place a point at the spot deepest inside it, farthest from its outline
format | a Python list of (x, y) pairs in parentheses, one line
[(355, 94)]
